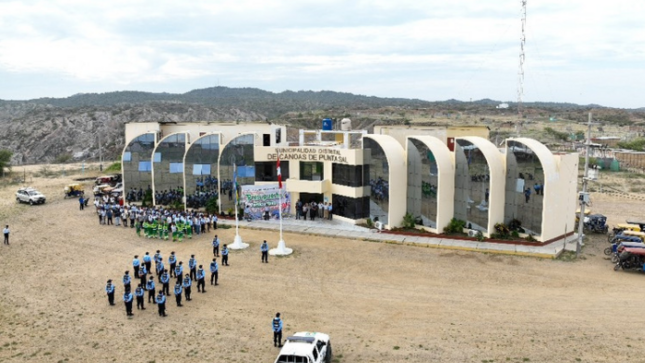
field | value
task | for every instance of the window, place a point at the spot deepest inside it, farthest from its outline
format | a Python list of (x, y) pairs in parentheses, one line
[(145, 166), (292, 359), (311, 171), (268, 171), (278, 136), (157, 158), (127, 156), (352, 208), (176, 168), (315, 354), (201, 169), (348, 175)]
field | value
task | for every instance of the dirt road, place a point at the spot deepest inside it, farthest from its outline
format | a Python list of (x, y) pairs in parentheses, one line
[(380, 302)]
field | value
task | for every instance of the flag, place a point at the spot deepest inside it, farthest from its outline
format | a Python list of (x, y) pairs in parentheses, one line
[(279, 174), (235, 183)]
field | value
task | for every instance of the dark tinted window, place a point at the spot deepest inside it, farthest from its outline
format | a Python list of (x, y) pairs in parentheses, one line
[(268, 170), (348, 175), (353, 208)]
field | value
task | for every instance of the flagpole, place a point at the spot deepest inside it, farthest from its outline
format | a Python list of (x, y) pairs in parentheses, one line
[(280, 211), (282, 249), (237, 220), (237, 241)]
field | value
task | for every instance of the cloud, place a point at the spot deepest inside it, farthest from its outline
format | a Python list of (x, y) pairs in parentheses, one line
[(443, 49)]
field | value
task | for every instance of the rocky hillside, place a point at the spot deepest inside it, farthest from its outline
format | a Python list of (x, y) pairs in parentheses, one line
[(39, 133), (66, 129)]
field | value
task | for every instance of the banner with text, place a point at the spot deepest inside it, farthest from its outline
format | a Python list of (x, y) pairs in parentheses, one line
[(257, 200)]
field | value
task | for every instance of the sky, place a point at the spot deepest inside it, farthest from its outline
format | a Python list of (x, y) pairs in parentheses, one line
[(576, 51)]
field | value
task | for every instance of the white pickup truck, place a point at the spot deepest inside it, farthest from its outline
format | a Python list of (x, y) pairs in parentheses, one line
[(306, 347)]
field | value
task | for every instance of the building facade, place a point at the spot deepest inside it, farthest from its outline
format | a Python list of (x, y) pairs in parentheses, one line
[(377, 176)]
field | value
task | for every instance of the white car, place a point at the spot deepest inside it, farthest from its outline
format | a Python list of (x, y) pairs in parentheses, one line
[(30, 195), (306, 347)]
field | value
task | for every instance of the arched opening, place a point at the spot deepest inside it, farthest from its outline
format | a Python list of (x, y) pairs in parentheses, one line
[(168, 170), (525, 186), (201, 170), (377, 170), (137, 166), (423, 181), (472, 185), (238, 152)]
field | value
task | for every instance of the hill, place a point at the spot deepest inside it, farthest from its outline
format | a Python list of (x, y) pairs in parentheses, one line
[(61, 129)]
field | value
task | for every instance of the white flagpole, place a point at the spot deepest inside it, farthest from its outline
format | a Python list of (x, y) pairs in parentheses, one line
[(280, 210), (237, 220), (282, 249), (237, 241)]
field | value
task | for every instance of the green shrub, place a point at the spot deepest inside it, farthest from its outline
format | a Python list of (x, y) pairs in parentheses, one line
[(408, 221), (211, 206), (369, 223), (147, 198), (502, 230), (455, 226)]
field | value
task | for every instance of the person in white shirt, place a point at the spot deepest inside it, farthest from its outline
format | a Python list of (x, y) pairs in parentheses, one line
[(214, 220)]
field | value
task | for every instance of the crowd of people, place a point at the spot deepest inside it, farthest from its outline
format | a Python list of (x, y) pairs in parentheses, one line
[(143, 277), (155, 222), (314, 210)]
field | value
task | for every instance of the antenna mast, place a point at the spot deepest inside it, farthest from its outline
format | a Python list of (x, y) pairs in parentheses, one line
[(520, 81)]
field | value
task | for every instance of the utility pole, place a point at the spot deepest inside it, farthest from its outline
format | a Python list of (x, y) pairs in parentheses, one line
[(583, 196)]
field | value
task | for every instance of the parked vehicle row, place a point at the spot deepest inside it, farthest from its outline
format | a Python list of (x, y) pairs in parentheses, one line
[(627, 248)]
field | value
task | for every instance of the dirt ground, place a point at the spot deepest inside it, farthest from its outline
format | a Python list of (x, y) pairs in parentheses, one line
[(379, 302)]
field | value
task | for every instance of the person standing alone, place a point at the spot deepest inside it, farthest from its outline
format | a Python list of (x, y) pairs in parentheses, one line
[(264, 248), (276, 324), (6, 234)]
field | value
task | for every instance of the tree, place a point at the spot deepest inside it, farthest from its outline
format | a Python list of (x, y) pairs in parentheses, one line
[(5, 160)]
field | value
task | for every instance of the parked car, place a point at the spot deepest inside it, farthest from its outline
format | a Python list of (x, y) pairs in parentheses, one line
[(306, 347), (30, 195), (112, 180)]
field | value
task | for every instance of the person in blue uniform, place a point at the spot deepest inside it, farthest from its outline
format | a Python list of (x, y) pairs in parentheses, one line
[(143, 275), (109, 289), (160, 267), (214, 271), (187, 287), (127, 299), (161, 303), (139, 292), (165, 281), (172, 260), (216, 246), (157, 257), (225, 256), (201, 280), (136, 264), (178, 290), (276, 324), (127, 280), (264, 248), (192, 265), (147, 260), (179, 271), (150, 286)]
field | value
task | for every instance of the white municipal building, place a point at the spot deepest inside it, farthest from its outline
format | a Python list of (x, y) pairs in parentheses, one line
[(433, 173)]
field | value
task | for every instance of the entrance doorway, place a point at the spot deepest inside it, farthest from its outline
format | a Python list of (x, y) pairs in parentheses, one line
[(311, 197)]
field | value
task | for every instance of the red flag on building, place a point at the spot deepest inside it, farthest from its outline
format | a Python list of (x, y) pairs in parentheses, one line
[(279, 174)]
